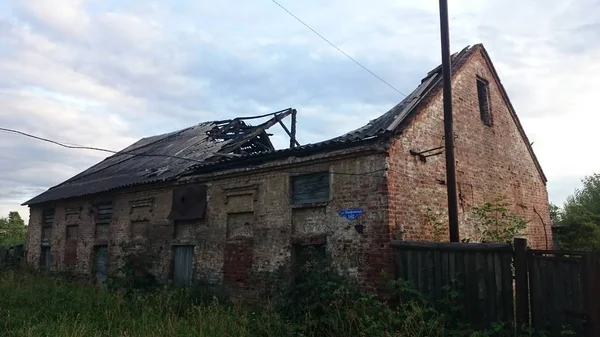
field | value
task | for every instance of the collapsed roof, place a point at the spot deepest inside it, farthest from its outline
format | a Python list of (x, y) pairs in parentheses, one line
[(164, 157)]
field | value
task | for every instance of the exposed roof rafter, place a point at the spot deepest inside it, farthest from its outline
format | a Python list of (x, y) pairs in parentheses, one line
[(248, 139)]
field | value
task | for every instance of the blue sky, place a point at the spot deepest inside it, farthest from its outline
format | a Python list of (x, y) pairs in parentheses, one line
[(107, 73)]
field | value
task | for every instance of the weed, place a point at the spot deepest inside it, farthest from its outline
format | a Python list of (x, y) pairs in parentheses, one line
[(496, 223)]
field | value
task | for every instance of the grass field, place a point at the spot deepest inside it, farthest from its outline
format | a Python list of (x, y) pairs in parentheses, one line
[(39, 304), (42, 305)]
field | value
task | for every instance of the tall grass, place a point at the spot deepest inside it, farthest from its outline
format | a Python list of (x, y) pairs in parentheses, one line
[(39, 304), (42, 305)]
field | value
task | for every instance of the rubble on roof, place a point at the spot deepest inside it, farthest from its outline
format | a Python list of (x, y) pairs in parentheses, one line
[(164, 157)]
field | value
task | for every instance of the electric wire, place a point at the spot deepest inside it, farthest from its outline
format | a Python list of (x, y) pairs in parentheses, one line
[(339, 49), (80, 147)]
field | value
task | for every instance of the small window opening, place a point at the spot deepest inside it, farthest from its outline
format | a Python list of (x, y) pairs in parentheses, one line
[(483, 95), (310, 188), (48, 217), (105, 212)]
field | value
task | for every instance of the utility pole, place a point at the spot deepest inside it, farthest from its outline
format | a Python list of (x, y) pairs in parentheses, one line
[(448, 128)]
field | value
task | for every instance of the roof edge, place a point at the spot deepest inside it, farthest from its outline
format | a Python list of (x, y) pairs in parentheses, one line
[(512, 110), (233, 164)]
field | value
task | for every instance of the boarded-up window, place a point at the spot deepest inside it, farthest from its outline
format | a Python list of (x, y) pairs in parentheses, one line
[(310, 188), (46, 234), (48, 217), (104, 212), (70, 257), (309, 220), (102, 231), (239, 224), (72, 232), (483, 95), (139, 229), (45, 257), (100, 263), (183, 260), (188, 203)]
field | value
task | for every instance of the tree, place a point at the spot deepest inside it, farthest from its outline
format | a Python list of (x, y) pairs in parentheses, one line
[(12, 230), (578, 223), (555, 214)]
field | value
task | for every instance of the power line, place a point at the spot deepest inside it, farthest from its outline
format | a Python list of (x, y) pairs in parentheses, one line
[(340, 50), (79, 147), (93, 148)]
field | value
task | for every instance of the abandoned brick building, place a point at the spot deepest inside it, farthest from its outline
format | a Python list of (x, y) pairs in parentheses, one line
[(216, 202)]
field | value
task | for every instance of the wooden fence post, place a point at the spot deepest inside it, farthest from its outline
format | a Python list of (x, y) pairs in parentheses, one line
[(521, 284), (590, 278)]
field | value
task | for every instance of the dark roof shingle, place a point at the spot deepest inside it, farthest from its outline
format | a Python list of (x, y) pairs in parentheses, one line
[(151, 159)]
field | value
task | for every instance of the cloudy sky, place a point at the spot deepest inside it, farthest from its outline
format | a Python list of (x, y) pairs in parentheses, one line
[(105, 73)]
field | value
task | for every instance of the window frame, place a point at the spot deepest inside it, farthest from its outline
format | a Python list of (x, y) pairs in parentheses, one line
[(485, 108)]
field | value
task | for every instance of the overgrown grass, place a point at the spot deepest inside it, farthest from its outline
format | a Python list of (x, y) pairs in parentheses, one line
[(39, 304), (43, 305)]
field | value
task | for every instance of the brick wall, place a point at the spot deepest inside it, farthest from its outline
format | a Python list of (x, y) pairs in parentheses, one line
[(490, 161), (82, 212), (249, 225)]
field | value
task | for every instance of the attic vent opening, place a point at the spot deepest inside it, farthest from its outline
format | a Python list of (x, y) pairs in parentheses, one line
[(105, 212), (483, 96), (47, 223), (48, 217)]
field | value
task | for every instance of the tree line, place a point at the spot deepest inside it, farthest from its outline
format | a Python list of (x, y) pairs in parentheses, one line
[(577, 223), (12, 230)]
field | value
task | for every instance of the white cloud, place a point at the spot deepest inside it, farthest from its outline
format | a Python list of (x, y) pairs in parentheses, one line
[(66, 16)]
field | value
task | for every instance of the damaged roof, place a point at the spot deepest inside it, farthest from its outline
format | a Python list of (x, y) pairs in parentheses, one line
[(392, 121), (214, 145), (164, 157)]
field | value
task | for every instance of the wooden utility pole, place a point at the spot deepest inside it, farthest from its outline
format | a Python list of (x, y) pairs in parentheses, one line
[(448, 127)]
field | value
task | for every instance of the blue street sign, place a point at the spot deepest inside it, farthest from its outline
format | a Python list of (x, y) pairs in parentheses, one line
[(351, 213)]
